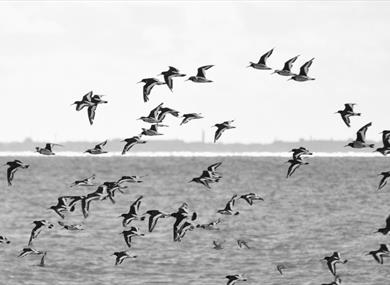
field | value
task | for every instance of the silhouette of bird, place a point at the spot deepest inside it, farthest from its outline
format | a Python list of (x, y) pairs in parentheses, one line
[(130, 179), (221, 128), (127, 235), (383, 181), (232, 279), (154, 216), (286, 71), (386, 229), (29, 251), (98, 149), (169, 74), (47, 150), (228, 210), (149, 84), (190, 116), (152, 118), (302, 76), (250, 197), (294, 165), (73, 227), (130, 142), (385, 150), (165, 111), (208, 176), (181, 216), (378, 255), (133, 213), (86, 101), (39, 225), (218, 244), (360, 141), (347, 113), (183, 229), (332, 260), (241, 243), (13, 166), (122, 255), (84, 182), (152, 131), (262, 64), (201, 75), (298, 152), (280, 267), (65, 204)]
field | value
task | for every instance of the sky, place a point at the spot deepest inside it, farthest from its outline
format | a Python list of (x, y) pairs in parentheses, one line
[(52, 53)]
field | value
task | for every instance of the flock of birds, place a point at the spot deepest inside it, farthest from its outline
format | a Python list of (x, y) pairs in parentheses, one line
[(183, 220)]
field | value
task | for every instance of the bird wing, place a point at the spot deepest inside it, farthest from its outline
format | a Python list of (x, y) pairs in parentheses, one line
[(153, 113), (202, 70), (265, 56), (361, 134), (288, 64), (305, 67), (349, 107), (88, 97), (91, 113), (294, 166), (10, 174), (218, 133), (173, 69), (383, 182), (346, 119), (48, 146), (100, 145), (386, 138), (214, 166), (168, 80)]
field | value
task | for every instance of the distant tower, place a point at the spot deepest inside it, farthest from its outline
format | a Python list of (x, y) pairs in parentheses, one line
[(203, 136)]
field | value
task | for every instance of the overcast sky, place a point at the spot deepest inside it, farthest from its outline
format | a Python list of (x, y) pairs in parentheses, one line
[(51, 54)]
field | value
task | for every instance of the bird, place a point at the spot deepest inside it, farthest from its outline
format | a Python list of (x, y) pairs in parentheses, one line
[(169, 74), (189, 117), (128, 234), (302, 76), (333, 260), (149, 84), (232, 279), (13, 166), (73, 227), (153, 131), (165, 111), (84, 182), (298, 152), (183, 229), (210, 226), (280, 267), (122, 255), (228, 210), (208, 176), (360, 141), (294, 165), (64, 205), (241, 243), (86, 101), (262, 64), (181, 216), (86, 202), (218, 244), (385, 150), (133, 213), (386, 229), (337, 281), (29, 251), (383, 181), (152, 118), (286, 71), (47, 150), (378, 255), (154, 216), (250, 197), (96, 100), (98, 149), (39, 225), (221, 128), (130, 142), (201, 75), (347, 113), (4, 240), (130, 179)]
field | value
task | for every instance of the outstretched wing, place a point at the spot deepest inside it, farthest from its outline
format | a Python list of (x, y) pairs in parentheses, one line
[(91, 113), (349, 107), (214, 166), (100, 145), (361, 134), (202, 70), (305, 67), (87, 97), (264, 57), (288, 64)]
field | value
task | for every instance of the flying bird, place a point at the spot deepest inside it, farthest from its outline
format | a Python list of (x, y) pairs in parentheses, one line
[(228, 210), (221, 128), (190, 116), (130, 142), (286, 71), (29, 251), (86, 101), (47, 150), (127, 235), (383, 182), (149, 84), (378, 255), (152, 131), (347, 113), (84, 182), (332, 260), (294, 165), (201, 75), (13, 166), (169, 74), (262, 64), (122, 255), (385, 150), (218, 244), (360, 141), (386, 229), (232, 279), (98, 149), (154, 216), (298, 152), (250, 197), (152, 118), (241, 243), (132, 215), (39, 226), (302, 76)]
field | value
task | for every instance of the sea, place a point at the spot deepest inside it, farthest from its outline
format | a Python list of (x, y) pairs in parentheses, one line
[(330, 205)]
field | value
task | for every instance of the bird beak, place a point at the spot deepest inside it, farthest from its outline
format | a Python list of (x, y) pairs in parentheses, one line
[(139, 82), (346, 145), (273, 72)]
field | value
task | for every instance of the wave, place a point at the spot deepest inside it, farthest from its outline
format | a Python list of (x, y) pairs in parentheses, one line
[(187, 154)]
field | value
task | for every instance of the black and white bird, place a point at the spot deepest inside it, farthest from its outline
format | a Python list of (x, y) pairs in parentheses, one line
[(298, 152), (228, 210), (386, 229), (12, 167), (211, 226), (86, 101), (232, 279), (130, 179), (218, 245), (183, 229), (169, 74), (133, 213), (385, 149), (152, 131), (84, 182), (189, 117), (208, 176), (48, 149), (181, 216), (149, 84), (243, 243), (165, 111), (128, 234), (71, 227), (347, 113), (4, 240), (39, 226), (286, 71), (152, 118), (385, 177), (201, 75), (98, 149), (378, 255), (294, 165), (250, 197), (122, 255), (262, 64), (332, 260), (130, 142), (29, 251), (302, 76), (154, 216), (65, 204), (221, 128), (360, 141)]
